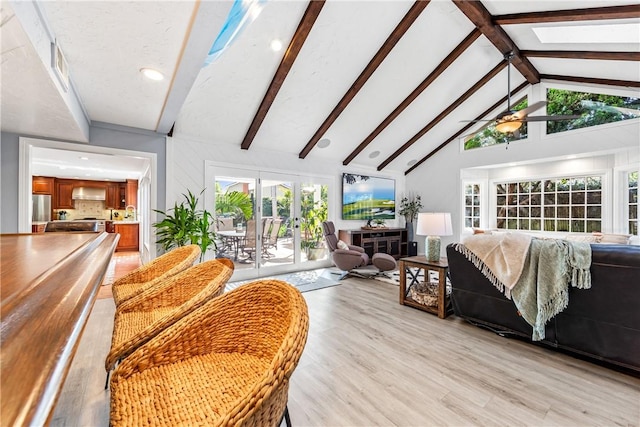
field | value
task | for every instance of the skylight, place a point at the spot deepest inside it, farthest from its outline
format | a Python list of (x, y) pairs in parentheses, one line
[(609, 33)]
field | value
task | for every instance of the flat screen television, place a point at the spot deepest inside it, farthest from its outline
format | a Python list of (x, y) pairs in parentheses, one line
[(368, 197)]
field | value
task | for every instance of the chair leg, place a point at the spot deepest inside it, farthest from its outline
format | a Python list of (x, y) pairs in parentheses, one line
[(285, 417)]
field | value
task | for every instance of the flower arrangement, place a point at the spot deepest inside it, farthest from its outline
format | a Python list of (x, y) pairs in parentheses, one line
[(409, 207)]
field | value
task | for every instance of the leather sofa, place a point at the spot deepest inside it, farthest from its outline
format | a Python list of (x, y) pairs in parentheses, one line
[(602, 322)]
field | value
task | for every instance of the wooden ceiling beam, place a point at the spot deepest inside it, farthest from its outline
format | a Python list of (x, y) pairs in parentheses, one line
[(592, 80), (395, 36), (455, 104), (482, 19), (582, 54), (589, 14), (453, 55), (461, 131), (299, 37)]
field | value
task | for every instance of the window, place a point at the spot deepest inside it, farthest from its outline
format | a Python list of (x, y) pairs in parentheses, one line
[(632, 214), (594, 109), (488, 135), (560, 204), (472, 205)]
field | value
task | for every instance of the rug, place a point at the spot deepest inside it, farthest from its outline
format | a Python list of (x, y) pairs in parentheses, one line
[(305, 281)]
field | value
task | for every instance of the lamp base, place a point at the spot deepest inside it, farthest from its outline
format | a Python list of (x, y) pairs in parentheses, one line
[(432, 248)]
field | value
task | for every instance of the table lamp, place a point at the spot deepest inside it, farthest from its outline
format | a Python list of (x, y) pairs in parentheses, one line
[(433, 225)]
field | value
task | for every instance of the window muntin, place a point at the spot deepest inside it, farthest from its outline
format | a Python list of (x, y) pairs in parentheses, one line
[(472, 205), (632, 211), (594, 109), (559, 204)]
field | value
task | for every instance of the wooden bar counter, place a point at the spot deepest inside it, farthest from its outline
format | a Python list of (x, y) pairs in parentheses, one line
[(48, 285)]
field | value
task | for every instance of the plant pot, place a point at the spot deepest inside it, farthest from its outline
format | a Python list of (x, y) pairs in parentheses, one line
[(314, 254)]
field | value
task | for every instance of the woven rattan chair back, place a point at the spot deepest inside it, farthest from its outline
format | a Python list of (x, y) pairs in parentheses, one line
[(143, 316), (226, 363), (154, 271)]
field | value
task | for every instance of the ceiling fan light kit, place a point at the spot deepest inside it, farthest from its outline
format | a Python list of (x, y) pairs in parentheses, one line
[(508, 126)]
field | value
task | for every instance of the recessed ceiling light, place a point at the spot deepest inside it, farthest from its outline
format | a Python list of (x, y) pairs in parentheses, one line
[(83, 158), (374, 154), (324, 143), (152, 74), (607, 33), (412, 162), (276, 45)]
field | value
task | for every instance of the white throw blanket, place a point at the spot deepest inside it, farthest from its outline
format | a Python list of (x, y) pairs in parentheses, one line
[(499, 257)]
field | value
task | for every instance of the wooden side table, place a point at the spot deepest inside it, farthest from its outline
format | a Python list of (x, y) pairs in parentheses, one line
[(411, 267)]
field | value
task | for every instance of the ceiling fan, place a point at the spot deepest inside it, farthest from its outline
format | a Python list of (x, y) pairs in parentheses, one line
[(510, 120)]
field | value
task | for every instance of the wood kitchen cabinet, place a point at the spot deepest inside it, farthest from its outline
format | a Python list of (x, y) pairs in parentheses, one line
[(113, 196), (62, 197), (42, 185), (131, 193), (128, 236)]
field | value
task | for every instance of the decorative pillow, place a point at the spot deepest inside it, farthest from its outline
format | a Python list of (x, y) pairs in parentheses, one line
[(619, 239), (342, 245), (584, 238), (481, 231)]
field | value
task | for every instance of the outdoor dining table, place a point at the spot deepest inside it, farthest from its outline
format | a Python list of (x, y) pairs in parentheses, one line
[(234, 237)]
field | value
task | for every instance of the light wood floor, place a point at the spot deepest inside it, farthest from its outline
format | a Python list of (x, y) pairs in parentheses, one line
[(372, 362)]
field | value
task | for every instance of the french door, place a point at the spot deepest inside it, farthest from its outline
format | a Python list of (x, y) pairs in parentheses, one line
[(268, 222)]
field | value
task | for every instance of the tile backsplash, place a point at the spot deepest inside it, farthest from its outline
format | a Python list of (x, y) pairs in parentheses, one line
[(89, 209)]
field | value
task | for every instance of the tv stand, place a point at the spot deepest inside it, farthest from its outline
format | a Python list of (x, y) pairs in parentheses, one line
[(392, 241)]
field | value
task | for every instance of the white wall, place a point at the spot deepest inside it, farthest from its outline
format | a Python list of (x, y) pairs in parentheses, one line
[(439, 180), (186, 170)]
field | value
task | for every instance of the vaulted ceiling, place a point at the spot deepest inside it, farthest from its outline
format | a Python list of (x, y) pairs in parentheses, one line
[(385, 83)]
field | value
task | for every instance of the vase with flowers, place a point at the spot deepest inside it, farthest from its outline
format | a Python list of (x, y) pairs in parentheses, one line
[(409, 207)]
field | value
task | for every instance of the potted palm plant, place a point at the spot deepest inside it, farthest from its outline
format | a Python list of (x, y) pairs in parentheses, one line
[(185, 224)]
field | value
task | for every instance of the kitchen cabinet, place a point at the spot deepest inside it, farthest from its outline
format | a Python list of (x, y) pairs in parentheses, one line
[(42, 185), (131, 194), (63, 193), (113, 196), (128, 236)]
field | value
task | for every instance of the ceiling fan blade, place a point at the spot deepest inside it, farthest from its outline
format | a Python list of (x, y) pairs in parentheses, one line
[(530, 109), (549, 118)]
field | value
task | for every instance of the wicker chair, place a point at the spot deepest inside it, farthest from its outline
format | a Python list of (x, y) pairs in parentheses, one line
[(143, 316), (226, 363), (159, 269)]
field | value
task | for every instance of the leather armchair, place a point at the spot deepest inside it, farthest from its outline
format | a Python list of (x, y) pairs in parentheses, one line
[(345, 259)]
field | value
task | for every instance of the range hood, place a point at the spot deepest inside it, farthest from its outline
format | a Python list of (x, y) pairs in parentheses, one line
[(88, 193)]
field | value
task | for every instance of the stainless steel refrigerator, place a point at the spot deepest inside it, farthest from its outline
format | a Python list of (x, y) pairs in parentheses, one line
[(41, 208)]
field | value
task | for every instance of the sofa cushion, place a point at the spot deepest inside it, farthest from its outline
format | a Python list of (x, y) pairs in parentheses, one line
[(619, 239)]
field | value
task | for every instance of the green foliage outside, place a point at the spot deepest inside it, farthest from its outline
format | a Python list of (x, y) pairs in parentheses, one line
[(234, 204), (185, 224), (489, 135), (314, 212), (595, 109)]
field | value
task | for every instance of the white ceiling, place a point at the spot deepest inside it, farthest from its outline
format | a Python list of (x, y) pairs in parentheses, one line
[(85, 166), (106, 43)]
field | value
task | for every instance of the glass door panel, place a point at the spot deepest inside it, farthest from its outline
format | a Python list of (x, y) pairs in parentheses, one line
[(278, 220), (314, 208), (237, 225)]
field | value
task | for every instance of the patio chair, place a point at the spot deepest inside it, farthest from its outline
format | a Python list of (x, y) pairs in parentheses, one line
[(154, 271), (272, 240), (225, 363), (248, 244)]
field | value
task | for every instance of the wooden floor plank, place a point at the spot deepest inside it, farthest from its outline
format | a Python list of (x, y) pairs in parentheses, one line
[(370, 361)]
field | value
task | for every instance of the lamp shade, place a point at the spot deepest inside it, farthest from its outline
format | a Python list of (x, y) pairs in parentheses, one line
[(434, 224)]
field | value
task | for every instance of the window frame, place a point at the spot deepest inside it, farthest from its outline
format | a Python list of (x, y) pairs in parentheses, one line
[(605, 203)]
